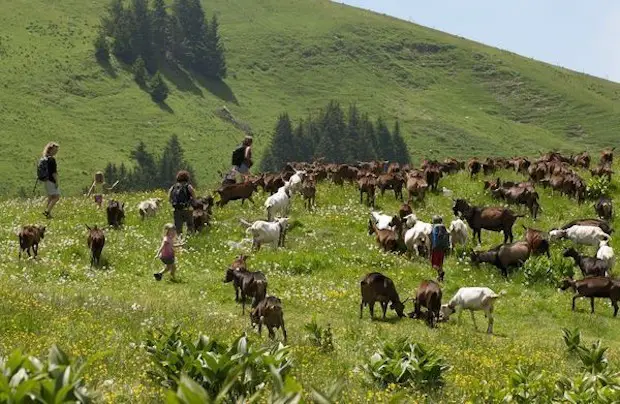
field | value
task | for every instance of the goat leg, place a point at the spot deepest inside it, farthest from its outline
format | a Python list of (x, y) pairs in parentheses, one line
[(371, 306), (473, 318), (592, 305), (615, 304), (575, 298), (384, 306), (361, 308), (283, 328)]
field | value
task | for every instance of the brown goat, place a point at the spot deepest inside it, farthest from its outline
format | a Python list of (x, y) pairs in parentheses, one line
[(416, 186), (592, 287), (272, 182), (604, 208), (29, 238), (589, 266), (366, 185), (269, 313), (95, 242), (428, 295), (235, 192), (493, 219), (607, 156), (432, 175), (252, 284), (521, 196), (405, 210), (387, 239), (537, 241), (393, 181), (308, 191), (239, 264), (376, 287), (115, 213), (474, 166)]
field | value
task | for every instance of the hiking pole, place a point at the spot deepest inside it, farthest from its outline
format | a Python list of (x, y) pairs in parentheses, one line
[(36, 181)]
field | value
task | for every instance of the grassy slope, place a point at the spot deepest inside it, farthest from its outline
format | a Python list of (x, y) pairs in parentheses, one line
[(107, 312), (455, 97)]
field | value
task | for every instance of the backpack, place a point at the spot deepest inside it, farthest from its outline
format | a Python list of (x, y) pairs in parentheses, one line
[(441, 237), (43, 169), (180, 197), (238, 155)]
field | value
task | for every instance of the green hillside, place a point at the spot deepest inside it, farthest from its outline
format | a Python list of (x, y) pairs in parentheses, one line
[(452, 96)]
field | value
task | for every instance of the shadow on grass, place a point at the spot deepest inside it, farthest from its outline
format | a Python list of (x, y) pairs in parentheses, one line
[(218, 88), (164, 107), (107, 67), (180, 78)]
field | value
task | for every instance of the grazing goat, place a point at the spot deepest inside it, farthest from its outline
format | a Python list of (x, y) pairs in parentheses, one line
[(392, 181), (367, 185), (589, 235), (233, 192), (537, 241), (504, 256), (239, 264), (252, 284), (428, 295), (388, 239), (472, 299), (278, 203), (416, 186), (606, 253), (604, 208), (602, 224), (596, 286), (267, 232), (376, 287), (405, 210), (95, 241), (29, 238), (308, 191), (202, 212), (149, 207), (115, 213), (458, 233), (589, 266), (269, 313), (494, 219), (419, 234), (381, 221)]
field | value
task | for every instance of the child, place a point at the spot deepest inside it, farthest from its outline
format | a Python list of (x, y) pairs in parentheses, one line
[(98, 188), (166, 252)]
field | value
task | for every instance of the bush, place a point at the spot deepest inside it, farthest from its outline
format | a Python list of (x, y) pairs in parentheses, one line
[(320, 337), (25, 379), (139, 72), (572, 339), (541, 269), (597, 187), (102, 48), (405, 363), (237, 372), (159, 88)]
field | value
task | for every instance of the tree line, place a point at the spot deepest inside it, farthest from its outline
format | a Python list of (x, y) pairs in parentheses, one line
[(335, 137), (147, 37), (150, 171)]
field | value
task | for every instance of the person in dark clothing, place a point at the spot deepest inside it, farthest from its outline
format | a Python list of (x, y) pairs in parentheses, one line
[(51, 181), (182, 197), (440, 243), (247, 162)]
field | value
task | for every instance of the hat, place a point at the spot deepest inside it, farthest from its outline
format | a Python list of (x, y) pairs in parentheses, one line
[(437, 219)]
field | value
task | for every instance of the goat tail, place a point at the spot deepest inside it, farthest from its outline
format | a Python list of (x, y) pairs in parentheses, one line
[(245, 223), (498, 295)]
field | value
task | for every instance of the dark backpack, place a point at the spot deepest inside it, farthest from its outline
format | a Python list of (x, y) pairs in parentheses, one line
[(180, 197), (43, 169), (441, 237), (238, 156)]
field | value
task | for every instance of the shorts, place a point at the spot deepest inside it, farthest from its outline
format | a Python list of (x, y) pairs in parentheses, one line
[(98, 198), (51, 188), (167, 260), (243, 168)]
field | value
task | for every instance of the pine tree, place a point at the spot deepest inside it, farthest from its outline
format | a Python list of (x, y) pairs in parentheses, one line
[(369, 135), (172, 160), (102, 49), (282, 142), (141, 39), (160, 21), (385, 146), (115, 11), (123, 46), (159, 88), (145, 174), (215, 63), (192, 27), (401, 152), (140, 74), (333, 127)]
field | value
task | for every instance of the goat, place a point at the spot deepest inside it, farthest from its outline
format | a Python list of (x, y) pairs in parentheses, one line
[(366, 185), (278, 203), (494, 219), (419, 234), (428, 295), (589, 266), (602, 224), (504, 256), (416, 186), (202, 212), (604, 208), (472, 299), (233, 192), (295, 182), (474, 167), (381, 221), (239, 264), (268, 232), (596, 286), (308, 191), (95, 242), (376, 287), (252, 284), (589, 235), (386, 238), (269, 313), (537, 241), (29, 238), (405, 210), (149, 207), (458, 233), (115, 213), (392, 181), (606, 253)]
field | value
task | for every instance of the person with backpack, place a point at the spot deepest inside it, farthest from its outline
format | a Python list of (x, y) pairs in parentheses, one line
[(242, 156), (440, 243), (182, 197), (47, 173)]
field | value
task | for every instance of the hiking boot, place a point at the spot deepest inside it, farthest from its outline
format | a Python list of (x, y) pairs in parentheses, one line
[(157, 276), (47, 214)]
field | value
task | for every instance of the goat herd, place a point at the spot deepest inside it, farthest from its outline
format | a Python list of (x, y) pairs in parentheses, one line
[(404, 232)]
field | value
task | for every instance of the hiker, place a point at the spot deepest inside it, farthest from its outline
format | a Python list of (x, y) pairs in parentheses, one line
[(242, 156), (166, 252), (440, 243), (98, 188), (47, 173), (182, 197)]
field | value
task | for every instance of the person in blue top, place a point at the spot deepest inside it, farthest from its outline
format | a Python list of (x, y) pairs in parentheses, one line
[(440, 243)]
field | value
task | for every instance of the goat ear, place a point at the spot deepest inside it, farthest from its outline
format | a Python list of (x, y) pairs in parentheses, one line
[(88, 227)]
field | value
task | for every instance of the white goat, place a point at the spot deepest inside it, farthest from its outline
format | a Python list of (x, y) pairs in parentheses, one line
[(296, 180), (149, 207), (381, 220), (458, 233), (268, 232), (419, 234), (278, 203), (590, 235), (606, 253), (472, 299)]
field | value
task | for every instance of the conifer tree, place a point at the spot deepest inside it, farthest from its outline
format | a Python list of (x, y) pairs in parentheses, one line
[(123, 46), (385, 146), (159, 88), (141, 38), (215, 61), (282, 142), (401, 153), (160, 21), (109, 22), (171, 161), (145, 174)]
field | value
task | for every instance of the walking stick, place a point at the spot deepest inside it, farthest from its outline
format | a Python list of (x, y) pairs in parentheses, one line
[(36, 181)]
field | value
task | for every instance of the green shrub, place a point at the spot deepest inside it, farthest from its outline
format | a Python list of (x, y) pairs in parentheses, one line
[(159, 88), (102, 48), (239, 370), (572, 339), (541, 269), (320, 337), (407, 364), (597, 187), (140, 74), (25, 379)]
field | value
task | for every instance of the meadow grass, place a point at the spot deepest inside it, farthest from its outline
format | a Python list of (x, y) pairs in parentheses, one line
[(105, 314), (452, 96)]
